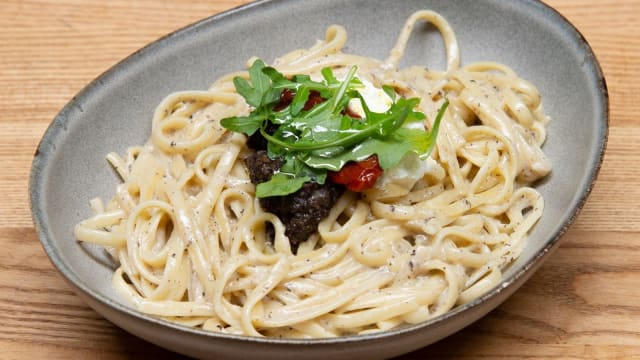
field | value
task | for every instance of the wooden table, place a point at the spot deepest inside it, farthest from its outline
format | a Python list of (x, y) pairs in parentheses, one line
[(583, 303)]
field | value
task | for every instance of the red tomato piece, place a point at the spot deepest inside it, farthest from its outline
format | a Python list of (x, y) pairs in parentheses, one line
[(286, 97), (358, 176), (313, 100)]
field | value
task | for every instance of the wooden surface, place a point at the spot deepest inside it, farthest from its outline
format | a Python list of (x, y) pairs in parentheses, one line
[(584, 303)]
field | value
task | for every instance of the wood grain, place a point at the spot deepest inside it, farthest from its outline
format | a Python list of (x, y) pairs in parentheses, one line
[(582, 304)]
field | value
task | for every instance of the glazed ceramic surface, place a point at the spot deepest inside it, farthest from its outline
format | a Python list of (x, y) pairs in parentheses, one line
[(114, 112)]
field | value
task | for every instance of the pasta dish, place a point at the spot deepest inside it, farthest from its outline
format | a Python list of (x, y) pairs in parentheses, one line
[(327, 194)]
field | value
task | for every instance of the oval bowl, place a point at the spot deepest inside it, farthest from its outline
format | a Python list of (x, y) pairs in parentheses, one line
[(114, 111)]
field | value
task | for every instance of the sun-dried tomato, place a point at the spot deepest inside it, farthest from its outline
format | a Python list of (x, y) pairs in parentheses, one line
[(358, 176), (287, 95), (313, 100)]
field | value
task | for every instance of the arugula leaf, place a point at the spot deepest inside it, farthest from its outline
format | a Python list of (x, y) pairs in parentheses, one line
[(244, 88), (281, 184), (328, 76), (339, 96), (431, 141), (253, 92), (298, 102), (243, 124), (382, 125), (290, 178), (260, 81), (258, 93), (390, 91), (389, 150), (295, 167), (311, 142)]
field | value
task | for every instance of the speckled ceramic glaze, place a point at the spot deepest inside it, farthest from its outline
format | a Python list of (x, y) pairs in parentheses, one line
[(114, 112)]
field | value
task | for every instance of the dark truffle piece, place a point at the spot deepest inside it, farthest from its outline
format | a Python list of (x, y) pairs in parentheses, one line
[(261, 167), (300, 212)]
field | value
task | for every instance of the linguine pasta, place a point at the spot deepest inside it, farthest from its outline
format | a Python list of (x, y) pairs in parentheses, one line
[(188, 233)]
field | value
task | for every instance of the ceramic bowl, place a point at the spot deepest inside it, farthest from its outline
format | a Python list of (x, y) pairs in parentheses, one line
[(114, 112)]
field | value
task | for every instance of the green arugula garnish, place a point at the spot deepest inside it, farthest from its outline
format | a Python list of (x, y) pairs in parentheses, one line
[(323, 138)]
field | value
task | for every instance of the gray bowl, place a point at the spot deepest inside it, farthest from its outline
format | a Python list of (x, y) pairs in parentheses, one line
[(114, 112)]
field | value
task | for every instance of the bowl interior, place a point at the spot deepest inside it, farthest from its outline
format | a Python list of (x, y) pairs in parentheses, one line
[(114, 112)]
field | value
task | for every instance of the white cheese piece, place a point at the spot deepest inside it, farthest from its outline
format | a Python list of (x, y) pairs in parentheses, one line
[(408, 171), (377, 100)]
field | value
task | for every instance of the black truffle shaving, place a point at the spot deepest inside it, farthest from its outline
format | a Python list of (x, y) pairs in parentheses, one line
[(300, 212)]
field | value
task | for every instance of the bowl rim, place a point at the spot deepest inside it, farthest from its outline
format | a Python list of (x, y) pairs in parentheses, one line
[(57, 126)]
